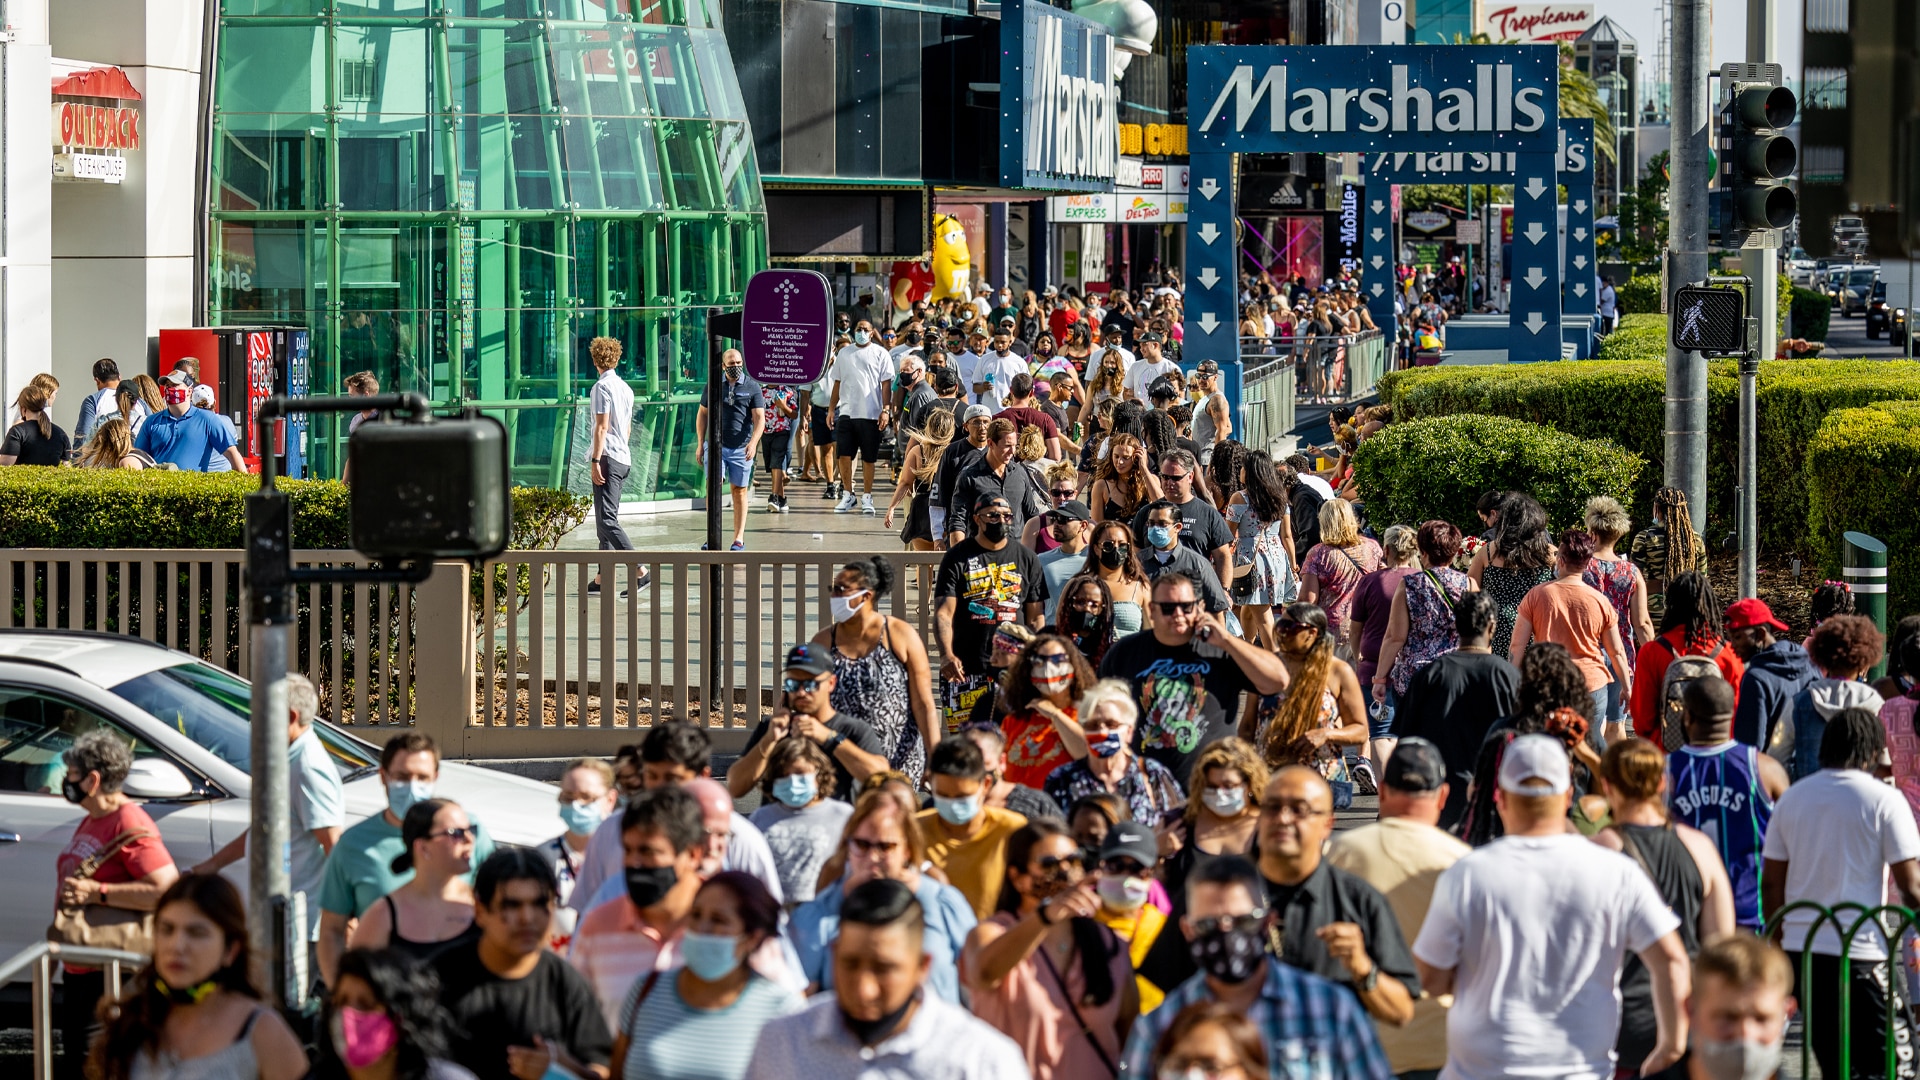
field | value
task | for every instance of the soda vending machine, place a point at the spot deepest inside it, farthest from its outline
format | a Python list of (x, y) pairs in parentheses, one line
[(243, 366)]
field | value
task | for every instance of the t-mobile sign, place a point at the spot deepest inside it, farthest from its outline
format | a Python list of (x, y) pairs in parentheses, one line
[(786, 326)]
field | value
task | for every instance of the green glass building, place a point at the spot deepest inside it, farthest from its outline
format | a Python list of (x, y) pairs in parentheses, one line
[(459, 194)]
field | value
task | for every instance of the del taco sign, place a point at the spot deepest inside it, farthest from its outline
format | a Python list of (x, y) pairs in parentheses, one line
[(93, 135)]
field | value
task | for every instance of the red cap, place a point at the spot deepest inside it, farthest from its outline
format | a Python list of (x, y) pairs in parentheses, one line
[(1753, 612)]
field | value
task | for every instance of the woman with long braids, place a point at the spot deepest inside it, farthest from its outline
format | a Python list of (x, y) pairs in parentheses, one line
[(1519, 557), (1124, 482), (193, 1011), (1689, 626), (1224, 472), (1320, 714), (1553, 699), (1264, 528), (1043, 970), (1667, 548), (916, 474)]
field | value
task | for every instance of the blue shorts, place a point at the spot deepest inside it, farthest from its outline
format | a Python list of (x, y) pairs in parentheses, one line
[(738, 467)]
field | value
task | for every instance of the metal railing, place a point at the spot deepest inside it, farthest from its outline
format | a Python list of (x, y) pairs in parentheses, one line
[(36, 962), (1267, 398), (1892, 923), (1328, 369)]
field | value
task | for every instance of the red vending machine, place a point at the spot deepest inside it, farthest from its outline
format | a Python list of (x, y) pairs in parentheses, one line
[(245, 365)]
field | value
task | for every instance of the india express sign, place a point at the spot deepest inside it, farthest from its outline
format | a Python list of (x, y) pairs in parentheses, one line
[(1058, 103)]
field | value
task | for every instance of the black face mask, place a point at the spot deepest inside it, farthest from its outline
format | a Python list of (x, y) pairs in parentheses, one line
[(1114, 557), (993, 532), (648, 885), (870, 1032), (732, 373), (1232, 956), (72, 791), (1085, 621), (185, 995)]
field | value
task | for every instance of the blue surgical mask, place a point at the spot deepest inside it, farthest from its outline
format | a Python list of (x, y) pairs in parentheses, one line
[(1107, 745), (957, 811), (861, 337), (583, 815), (402, 794), (796, 790), (711, 957), (1160, 536)]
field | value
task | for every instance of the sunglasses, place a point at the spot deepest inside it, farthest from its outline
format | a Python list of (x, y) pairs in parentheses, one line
[(456, 835), (1063, 494), (987, 519), (1289, 626), (1176, 607), (1121, 866), (1052, 660), (800, 686), (1252, 920), (873, 848), (1174, 478), (1048, 864)]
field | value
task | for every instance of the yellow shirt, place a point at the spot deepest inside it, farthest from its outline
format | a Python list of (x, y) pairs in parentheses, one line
[(1403, 859), (1138, 929), (977, 866)]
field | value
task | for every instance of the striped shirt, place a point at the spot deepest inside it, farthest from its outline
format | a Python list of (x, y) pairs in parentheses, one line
[(669, 1039), (1313, 1029)]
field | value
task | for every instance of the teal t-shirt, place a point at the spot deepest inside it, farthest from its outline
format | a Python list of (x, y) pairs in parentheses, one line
[(360, 869)]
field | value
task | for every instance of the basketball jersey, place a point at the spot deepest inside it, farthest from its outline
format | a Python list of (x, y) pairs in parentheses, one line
[(1717, 790)]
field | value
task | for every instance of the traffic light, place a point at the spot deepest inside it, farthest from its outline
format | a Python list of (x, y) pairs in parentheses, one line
[(1757, 159), (1710, 320)]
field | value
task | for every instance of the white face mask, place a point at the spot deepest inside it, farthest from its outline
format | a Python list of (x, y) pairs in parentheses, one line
[(1225, 801), (845, 607)]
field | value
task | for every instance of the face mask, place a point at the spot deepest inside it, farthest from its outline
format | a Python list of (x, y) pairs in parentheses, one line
[(1115, 557), (957, 811), (1740, 1059), (796, 790), (362, 1037), (1107, 745), (1052, 684), (1160, 536), (402, 794), (845, 607), (583, 816), (1123, 893), (861, 337), (1084, 621), (648, 885), (712, 957), (185, 995), (1225, 801), (870, 1032), (1232, 956), (71, 791), (993, 532), (175, 395), (732, 374)]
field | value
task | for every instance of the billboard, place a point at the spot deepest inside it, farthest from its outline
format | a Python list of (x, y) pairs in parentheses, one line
[(1534, 24)]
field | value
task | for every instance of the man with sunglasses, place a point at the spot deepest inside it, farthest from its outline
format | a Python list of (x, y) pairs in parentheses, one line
[(1203, 529), (1301, 1017), (848, 741), (1071, 523), (984, 580), (1187, 675)]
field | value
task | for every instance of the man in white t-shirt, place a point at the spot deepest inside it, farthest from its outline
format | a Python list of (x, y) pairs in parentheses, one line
[(1529, 934), (1609, 306), (1112, 339), (609, 458), (993, 374), (968, 360), (1150, 366), (861, 374), (1834, 838)]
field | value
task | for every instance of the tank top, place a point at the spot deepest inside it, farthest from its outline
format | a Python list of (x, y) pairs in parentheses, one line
[(1205, 431), (874, 688), (1126, 618), (1667, 862), (1717, 790), (1615, 581), (235, 1061), (423, 951)]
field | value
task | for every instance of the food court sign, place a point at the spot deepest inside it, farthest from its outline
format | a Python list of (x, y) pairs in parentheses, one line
[(92, 136)]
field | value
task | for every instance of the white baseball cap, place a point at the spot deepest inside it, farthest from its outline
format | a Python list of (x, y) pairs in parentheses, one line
[(202, 394), (1535, 757)]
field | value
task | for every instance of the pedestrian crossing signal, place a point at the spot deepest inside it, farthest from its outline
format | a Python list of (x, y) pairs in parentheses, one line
[(1709, 321)]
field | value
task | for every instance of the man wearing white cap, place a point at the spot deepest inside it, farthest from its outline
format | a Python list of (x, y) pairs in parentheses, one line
[(1529, 934), (202, 397)]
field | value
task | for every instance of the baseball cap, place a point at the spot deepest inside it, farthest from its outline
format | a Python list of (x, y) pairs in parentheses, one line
[(976, 412), (809, 658), (1415, 766), (1752, 611), (1151, 336), (177, 378), (1131, 840), (1006, 320), (1072, 510), (1206, 367), (989, 501), (1535, 757), (202, 394)]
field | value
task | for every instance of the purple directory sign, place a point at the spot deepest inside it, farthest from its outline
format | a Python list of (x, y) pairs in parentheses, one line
[(786, 326)]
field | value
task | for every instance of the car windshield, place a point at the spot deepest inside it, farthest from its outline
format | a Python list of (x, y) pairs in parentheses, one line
[(211, 706), (1863, 277)]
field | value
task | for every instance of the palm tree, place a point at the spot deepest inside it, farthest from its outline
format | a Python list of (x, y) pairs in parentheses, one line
[(1580, 100)]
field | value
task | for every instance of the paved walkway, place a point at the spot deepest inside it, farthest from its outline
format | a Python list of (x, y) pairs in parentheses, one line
[(811, 524)]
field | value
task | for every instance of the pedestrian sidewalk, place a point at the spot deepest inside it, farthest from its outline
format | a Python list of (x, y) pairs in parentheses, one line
[(811, 524)]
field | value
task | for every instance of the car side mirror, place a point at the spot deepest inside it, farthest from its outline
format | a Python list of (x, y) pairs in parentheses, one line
[(156, 778)]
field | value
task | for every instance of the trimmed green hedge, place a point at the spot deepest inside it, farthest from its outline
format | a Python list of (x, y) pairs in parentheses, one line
[(1812, 312), (1426, 469), (153, 508), (1623, 400), (1638, 337), (1639, 295), (1863, 474)]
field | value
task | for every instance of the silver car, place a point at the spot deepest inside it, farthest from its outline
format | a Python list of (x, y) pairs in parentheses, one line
[(187, 722)]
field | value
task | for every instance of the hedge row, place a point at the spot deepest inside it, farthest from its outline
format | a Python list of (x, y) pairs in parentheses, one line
[(1639, 295), (1624, 401), (1426, 469), (1863, 474), (1812, 314), (117, 508), (1638, 337)]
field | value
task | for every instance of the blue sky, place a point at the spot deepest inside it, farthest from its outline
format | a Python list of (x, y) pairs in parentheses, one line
[(1639, 17)]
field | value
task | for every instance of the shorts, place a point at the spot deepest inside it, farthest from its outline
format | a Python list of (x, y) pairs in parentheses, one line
[(776, 450), (738, 467), (850, 435), (817, 418)]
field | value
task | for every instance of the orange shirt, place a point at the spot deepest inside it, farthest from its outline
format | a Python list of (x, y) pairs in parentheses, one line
[(1568, 611), (1034, 748)]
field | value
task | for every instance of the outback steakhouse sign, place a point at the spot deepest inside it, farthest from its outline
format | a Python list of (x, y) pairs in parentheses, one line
[(95, 127), (91, 141)]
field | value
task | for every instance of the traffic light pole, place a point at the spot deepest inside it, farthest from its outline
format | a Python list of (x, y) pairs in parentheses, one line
[(1762, 265), (1686, 410)]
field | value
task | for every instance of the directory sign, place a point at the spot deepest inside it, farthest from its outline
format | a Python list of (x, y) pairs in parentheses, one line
[(786, 326)]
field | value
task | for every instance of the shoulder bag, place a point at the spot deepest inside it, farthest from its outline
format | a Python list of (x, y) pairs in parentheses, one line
[(1067, 996), (99, 926)]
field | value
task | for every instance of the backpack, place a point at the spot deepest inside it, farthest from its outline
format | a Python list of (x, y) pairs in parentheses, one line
[(1682, 671)]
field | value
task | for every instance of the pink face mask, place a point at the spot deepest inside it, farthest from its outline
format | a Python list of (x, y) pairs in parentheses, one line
[(174, 395), (363, 1037)]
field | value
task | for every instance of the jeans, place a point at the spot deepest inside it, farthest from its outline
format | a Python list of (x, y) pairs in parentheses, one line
[(1867, 1015), (606, 507), (79, 997), (1600, 697)]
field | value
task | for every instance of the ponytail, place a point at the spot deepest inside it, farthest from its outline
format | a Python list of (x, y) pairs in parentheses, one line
[(34, 399)]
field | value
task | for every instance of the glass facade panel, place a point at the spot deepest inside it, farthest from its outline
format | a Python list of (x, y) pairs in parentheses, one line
[(461, 208)]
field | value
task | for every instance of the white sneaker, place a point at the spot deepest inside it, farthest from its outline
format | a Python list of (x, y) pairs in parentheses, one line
[(866, 505), (846, 504)]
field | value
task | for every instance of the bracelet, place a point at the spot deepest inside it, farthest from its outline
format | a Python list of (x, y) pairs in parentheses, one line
[(103, 894)]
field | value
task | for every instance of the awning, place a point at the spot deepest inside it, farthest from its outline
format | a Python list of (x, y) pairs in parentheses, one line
[(100, 82)]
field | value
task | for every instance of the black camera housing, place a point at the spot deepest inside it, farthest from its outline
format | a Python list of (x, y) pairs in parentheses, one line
[(433, 489)]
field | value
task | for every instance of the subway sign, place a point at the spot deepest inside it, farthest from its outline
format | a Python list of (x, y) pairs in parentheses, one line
[(1059, 106), (1401, 98)]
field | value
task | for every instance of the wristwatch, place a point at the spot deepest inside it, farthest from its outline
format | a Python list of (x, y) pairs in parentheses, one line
[(834, 743), (1367, 984)]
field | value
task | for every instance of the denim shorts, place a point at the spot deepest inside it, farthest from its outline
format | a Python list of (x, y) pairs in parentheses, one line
[(738, 467)]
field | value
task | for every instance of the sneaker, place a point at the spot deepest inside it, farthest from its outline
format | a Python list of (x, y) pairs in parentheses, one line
[(846, 504), (738, 545), (593, 586), (832, 492), (780, 506), (866, 505), (646, 579)]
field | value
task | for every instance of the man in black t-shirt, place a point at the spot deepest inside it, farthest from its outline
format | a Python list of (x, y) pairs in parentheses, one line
[(968, 446), (1187, 674), (848, 741), (1454, 700), (1203, 529), (517, 1008), (985, 580)]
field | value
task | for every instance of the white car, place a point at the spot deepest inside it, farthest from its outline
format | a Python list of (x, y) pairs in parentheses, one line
[(187, 721), (1801, 268)]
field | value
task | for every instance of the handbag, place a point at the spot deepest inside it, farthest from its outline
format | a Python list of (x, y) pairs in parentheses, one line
[(98, 926)]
